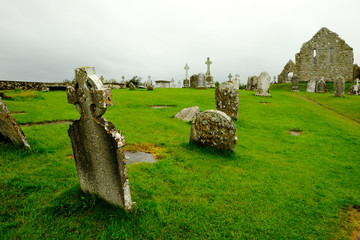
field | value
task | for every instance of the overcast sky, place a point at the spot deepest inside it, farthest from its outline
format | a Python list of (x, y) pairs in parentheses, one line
[(43, 40)]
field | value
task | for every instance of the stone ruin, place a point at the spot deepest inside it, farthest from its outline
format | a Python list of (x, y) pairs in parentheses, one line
[(339, 87), (214, 129), (252, 83), (326, 56), (288, 69), (227, 100), (263, 85), (97, 145), (9, 128)]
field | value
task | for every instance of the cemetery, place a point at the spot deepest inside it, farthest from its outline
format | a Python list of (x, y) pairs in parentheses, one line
[(275, 161)]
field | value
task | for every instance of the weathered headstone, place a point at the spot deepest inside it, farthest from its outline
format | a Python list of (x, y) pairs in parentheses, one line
[(201, 84), (321, 86), (132, 86), (295, 83), (227, 100), (97, 145), (186, 82), (148, 82), (252, 83), (193, 81), (188, 114), (311, 85), (9, 128), (263, 85), (214, 129), (339, 86), (236, 81)]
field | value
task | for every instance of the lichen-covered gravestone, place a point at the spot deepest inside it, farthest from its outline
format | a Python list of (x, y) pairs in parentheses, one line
[(295, 83), (201, 83), (263, 85), (214, 129), (252, 83), (9, 128), (227, 100), (339, 86), (97, 145), (320, 86)]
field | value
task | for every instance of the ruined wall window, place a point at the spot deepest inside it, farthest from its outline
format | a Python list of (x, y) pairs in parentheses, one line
[(331, 57), (314, 55)]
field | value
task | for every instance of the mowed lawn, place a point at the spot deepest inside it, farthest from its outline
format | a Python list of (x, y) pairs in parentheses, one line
[(274, 186)]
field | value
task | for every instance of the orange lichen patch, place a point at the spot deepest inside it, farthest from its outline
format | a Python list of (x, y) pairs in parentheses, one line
[(350, 223), (156, 151)]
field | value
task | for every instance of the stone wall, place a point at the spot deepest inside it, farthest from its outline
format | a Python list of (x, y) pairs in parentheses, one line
[(11, 85), (325, 55), (289, 67)]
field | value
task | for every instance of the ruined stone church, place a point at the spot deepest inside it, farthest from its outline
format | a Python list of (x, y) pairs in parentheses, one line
[(324, 55)]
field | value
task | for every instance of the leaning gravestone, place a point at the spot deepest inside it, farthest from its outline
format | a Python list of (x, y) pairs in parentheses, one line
[(339, 86), (132, 86), (97, 145), (188, 114), (214, 129), (311, 85), (321, 86), (263, 85), (227, 100), (9, 128), (295, 84)]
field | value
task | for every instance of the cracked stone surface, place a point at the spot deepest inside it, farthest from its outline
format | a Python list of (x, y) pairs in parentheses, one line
[(9, 128), (227, 100), (214, 129), (97, 144)]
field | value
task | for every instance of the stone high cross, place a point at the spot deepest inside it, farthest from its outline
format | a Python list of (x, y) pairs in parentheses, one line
[(229, 76), (186, 71), (208, 62)]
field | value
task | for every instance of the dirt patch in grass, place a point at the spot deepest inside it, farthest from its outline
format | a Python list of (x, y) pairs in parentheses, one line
[(161, 106), (350, 222), (19, 112), (265, 103), (156, 151), (295, 132), (46, 123)]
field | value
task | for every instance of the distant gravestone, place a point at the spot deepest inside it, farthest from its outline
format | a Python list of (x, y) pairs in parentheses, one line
[(263, 85), (194, 81), (188, 114), (97, 144), (9, 128), (354, 90), (236, 81), (201, 83), (311, 85), (186, 82), (209, 81), (321, 86), (295, 83), (252, 83), (148, 82), (227, 100), (214, 129), (132, 86), (339, 86)]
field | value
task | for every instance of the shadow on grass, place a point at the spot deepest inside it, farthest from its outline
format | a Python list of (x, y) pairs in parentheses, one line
[(211, 152)]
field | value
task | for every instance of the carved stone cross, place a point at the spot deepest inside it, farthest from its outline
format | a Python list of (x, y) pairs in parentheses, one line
[(208, 62), (229, 76), (186, 71)]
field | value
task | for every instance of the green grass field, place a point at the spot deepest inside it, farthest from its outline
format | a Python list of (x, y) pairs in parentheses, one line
[(274, 186)]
